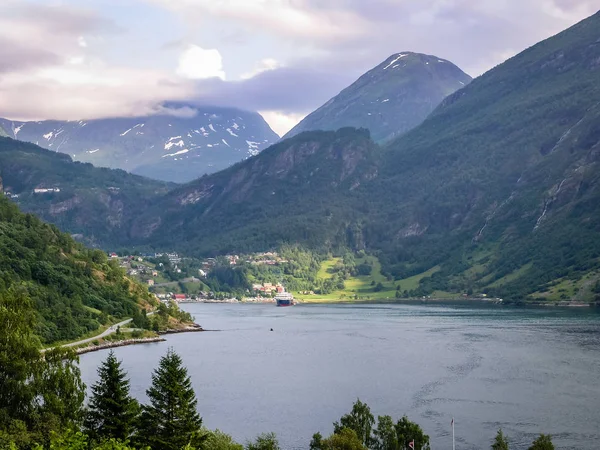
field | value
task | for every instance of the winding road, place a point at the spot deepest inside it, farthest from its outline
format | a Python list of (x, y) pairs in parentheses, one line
[(110, 330)]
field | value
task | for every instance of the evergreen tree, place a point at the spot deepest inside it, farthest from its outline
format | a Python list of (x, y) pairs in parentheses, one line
[(544, 442), (112, 411), (500, 443), (170, 421)]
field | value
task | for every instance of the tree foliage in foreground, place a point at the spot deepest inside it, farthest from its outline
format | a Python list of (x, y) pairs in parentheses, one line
[(170, 421), (355, 431), (112, 412)]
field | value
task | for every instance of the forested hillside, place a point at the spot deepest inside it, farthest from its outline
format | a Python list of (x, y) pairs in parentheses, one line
[(301, 189), (74, 289), (95, 203)]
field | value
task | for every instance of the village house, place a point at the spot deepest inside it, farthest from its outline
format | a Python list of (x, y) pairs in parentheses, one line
[(150, 282), (178, 297), (154, 273), (45, 190)]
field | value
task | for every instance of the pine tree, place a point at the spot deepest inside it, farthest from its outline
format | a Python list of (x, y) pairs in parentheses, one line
[(112, 411), (500, 443), (170, 421), (543, 442)]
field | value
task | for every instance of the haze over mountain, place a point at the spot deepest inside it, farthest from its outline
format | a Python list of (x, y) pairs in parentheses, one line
[(391, 98), (197, 141)]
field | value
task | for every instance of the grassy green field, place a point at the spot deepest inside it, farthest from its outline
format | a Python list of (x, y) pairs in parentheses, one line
[(361, 288), (566, 289)]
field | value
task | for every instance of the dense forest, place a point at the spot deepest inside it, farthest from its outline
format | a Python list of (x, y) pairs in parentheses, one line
[(74, 289)]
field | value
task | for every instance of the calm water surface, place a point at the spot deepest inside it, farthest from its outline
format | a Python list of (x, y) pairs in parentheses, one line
[(526, 370)]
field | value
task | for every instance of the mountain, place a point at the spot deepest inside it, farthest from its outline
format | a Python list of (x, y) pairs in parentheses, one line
[(498, 191), (390, 99), (166, 147), (95, 204), (296, 190)]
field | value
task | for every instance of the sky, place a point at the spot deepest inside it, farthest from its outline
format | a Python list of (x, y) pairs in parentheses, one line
[(85, 59)]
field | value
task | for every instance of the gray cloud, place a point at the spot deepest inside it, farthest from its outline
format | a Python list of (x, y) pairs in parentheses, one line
[(286, 89), (58, 19), (14, 56), (473, 34)]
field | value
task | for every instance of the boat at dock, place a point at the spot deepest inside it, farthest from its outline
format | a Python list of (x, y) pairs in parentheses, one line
[(284, 299)]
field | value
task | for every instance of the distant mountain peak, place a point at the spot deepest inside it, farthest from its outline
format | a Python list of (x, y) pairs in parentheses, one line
[(390, 99)]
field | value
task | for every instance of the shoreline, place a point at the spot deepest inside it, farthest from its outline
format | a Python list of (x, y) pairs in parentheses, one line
[(408, 301), (136, 341), (124, 343)]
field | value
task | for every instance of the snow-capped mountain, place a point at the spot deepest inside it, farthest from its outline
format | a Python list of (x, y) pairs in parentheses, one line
[(164, 147), (389, 99)]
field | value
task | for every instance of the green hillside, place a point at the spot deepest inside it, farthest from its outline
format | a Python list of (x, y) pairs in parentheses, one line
[(94, 203), (75, 290), (509, 163), (302, 189)]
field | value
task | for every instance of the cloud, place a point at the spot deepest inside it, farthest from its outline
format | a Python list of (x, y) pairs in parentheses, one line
[(197, 63), (294, 19), (471, 33), (280, 122), (184, 112), (284, 89), (262, 66), (49, 71)]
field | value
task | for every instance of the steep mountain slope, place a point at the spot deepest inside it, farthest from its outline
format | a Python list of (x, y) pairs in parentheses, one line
[(95, 203), (390, 99), (165, 147), (499, 189), (300, 189), (74, 289), (504, 172)]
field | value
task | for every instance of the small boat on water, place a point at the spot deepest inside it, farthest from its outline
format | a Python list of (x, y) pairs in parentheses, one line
[(284, 299)]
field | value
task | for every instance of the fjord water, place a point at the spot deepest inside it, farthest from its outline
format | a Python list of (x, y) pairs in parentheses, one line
[(528, 371)]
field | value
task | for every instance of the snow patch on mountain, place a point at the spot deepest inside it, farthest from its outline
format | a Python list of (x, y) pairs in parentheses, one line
[(180, 152), (170, 143), (398, 58)]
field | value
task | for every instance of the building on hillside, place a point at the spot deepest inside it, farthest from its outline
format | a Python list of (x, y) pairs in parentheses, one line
[(113, 255), (45, 190), (150, 282), (174, 258), (155, 273), (201, 273)]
